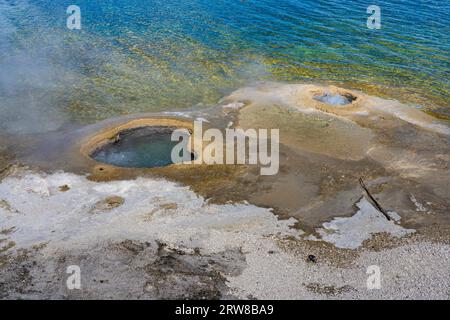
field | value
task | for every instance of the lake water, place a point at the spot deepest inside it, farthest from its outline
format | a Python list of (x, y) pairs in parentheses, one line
[(139, 56)]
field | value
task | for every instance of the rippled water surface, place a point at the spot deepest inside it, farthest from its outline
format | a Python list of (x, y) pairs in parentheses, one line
[(137, 56)]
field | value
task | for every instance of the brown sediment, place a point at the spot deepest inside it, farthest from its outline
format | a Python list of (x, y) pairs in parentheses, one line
[(108, 204), (437, 115), (64, 188), (215, 182), (218, 183), (365, 110), (6, 161), (322, 157), (317, 133), (330, 290), (7, 231), (8, 245), (327, 253), (313, 187), (5, 205), (286, 193)]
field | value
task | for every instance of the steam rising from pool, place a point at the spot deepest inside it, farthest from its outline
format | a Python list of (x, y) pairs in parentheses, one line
[(335, 98)]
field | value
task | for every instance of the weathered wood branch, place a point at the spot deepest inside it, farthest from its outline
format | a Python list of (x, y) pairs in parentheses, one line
[(375, 202)]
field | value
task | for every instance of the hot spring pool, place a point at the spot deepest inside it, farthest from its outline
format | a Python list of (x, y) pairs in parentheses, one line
[(335, 99)]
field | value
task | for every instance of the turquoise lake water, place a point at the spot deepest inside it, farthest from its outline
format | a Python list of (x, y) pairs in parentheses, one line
[(139, 148), (138, 56)]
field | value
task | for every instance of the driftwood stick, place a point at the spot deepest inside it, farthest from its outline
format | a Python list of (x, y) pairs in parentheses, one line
[(6, 168), (375, 202)]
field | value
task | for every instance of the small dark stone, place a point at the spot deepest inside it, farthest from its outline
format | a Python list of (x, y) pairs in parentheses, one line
[(312, 258), (64, 188)]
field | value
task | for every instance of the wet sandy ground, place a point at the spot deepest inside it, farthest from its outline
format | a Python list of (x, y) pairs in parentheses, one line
[(401, 154)]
